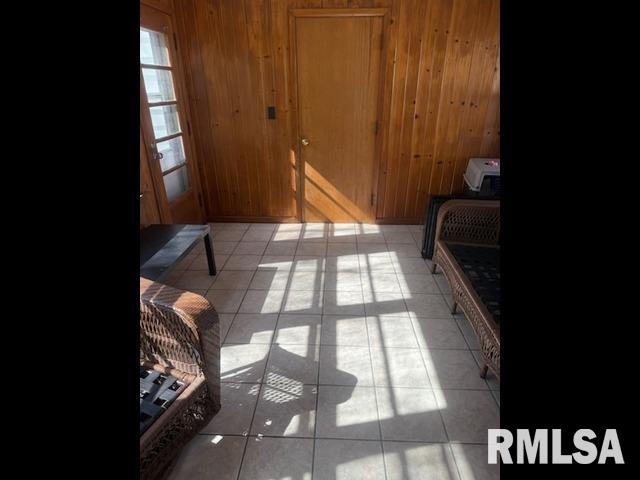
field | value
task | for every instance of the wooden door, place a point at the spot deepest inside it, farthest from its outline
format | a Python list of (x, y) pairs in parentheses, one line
[(149, 208), (337, 62), (163, 119)]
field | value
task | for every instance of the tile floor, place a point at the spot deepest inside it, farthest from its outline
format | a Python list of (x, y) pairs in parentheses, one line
[(340, 359)]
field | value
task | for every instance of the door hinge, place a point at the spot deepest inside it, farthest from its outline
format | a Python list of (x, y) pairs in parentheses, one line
[(200, 199), (373, 199), (175, 41), (377, 126), (189, 127)]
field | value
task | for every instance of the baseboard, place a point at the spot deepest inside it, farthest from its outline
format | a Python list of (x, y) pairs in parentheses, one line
[(237, 219)]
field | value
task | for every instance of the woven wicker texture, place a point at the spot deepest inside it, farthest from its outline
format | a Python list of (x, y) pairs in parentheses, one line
[(483, 229), (469, 221), (179, 335)]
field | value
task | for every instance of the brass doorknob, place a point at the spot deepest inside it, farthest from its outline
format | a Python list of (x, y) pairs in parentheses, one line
[(305, 141)]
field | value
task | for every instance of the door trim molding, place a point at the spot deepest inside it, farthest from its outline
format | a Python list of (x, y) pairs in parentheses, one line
[(295, 13)]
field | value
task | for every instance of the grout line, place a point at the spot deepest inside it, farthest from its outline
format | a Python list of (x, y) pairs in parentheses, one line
[(342, 439), (371, 386), (373, 378)]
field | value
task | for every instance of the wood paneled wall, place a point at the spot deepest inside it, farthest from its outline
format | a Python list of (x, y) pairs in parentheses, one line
[(441, 107)]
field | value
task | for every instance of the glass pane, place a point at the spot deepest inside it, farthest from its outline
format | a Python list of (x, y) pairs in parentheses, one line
[(172, 153), (176, 183), (165, 120), (153, 48), (158, 84)]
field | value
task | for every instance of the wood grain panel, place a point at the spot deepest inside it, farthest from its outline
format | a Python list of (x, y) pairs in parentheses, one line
[(440, 102)]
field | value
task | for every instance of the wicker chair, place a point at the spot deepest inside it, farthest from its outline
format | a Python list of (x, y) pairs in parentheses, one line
[(470, 223), (179, 336)]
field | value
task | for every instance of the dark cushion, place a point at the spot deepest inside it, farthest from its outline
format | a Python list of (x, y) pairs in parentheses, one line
[(481, 265)]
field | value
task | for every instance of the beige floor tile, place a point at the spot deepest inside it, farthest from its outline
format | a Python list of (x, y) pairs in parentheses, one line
[(252, 328), (262, 301), (308, 263), (437, 332), (277, 458), (257, 235), (238, 404), (442, 283), (232, 280), (243, 363), (276, 262), (314, 248), (472, 462), (242, 262), (348, 460), (250, 248), (342, 238), (380, 282), (270, 280), (419, 461), (200, 262), (206, 456), (403, 250), (302, 280), (371, 237), (399, 237), (372, 248), (339, 249), (194, 279), (411, 265), (468, 414), (453, 369), (376, 262), (426, 305), (410, 414), (382, 303), (298, 329), (284, 236), (467, 330), (389, 331), (302, 302), (225, 301), (286, 410), (344, 365), (399, 367), (281, 247), (225, 248), (343, 303), (347, 412), (343, 281), (228, 236), (418, 283), (343, 263), (225, 323), (344, 330), (293, 363)]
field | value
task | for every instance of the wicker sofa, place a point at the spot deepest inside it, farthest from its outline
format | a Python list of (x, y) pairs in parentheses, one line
[(467, 251), (179, 336)]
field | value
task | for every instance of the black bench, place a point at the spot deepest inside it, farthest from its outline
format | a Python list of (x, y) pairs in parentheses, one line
[(163, 246)]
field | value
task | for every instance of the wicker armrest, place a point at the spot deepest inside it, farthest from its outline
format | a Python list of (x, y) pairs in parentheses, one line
[(179, 330), (469, 221)]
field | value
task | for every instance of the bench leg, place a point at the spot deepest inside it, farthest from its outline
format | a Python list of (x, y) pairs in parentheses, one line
[(454, 308), (483, 371), (211, 262)]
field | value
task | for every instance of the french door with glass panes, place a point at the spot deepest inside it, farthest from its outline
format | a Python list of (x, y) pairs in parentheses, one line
[(164, 121)]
